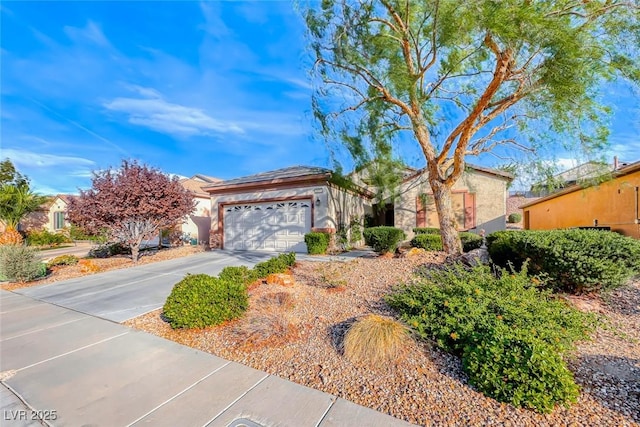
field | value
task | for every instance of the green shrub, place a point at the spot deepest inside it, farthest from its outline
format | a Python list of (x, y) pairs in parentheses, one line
[(278, 264), (200, 300), (470, 241), (426, 230), (514, 218), (107, 250), (317, 243), (517, 367), (574, 260), (383, 239), (240, 274), (468, 312), (63, 260), (429, 242), (20, 263), (77, 233), (46, 238)]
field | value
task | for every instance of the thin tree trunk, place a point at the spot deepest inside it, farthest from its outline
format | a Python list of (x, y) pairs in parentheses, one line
[(135, 252), (446, 217)]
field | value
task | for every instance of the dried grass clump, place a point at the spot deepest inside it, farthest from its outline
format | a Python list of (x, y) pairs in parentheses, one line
[(266, 327), (282, 300), (376, 339)]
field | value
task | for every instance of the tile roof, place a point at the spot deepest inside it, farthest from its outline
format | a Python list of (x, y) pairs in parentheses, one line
[(278, 174)]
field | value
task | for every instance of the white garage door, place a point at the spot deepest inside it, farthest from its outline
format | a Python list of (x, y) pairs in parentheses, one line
[(275, 226)]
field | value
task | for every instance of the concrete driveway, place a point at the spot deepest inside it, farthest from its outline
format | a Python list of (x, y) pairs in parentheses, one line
[(79, 249), (119, 295), (72, 369)]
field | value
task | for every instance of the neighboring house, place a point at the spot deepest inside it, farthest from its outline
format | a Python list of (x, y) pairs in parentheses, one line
[(198, 225), (613, 203), (582, 174), (51, 216), (479, 200), (274, 210)]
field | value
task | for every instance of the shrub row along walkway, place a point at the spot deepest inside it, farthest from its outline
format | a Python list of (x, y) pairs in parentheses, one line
[(74, 369)]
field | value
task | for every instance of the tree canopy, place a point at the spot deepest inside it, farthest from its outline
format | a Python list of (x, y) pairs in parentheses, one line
[(463, 78), (16, 197), (132, 203)]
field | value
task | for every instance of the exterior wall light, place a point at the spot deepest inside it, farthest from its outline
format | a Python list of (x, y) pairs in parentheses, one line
[(318, 203)]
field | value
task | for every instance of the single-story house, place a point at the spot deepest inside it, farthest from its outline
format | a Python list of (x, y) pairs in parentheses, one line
[(478, 197), (613, 203), (51, 216), (274, 210), (198, 225)]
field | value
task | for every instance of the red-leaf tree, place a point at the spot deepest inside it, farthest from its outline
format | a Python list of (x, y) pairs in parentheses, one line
[(132, 203)]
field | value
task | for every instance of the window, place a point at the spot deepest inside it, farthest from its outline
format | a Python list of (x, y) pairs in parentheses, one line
[(463, 208), (58, 220)]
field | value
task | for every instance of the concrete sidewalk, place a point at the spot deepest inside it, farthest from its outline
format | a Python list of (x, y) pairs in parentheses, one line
[(76, 369)]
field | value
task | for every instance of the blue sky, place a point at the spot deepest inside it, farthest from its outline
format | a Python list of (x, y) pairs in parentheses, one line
[(214, 88)]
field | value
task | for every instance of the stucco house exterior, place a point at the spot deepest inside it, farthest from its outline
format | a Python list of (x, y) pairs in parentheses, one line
[(51, 216), (479, 200), (613, 203), (274, 210), (197, 225)]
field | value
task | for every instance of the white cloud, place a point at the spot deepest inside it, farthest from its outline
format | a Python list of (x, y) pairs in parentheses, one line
[(92, 33), (153, 112), (30, 159)]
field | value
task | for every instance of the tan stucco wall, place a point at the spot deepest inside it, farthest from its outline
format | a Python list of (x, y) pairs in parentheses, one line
[(490, 199), (43, 219), (58, 205), (198, 224), (612, 203), (346, 207)]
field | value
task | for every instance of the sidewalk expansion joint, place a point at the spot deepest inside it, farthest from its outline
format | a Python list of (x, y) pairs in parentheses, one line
[(72, 351), (178, 394)]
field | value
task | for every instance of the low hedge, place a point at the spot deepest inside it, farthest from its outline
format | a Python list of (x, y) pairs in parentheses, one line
[(63, 260), (278, 264), (317, 243), (514, 218), (429, 242), (46, 238), (383, 239), (574, 260), (200, 300), (426, 230), (470, 241), (241, 274), (512, 336)]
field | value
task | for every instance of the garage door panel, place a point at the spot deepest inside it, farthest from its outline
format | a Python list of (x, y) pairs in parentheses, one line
[(278, 226)]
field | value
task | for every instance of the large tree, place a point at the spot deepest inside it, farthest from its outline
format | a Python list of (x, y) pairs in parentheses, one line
[(132, 203), (16, 197), (463, 78)]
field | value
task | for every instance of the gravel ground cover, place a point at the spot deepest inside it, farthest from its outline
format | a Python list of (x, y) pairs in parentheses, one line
[(295, 332), (65, 272)]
